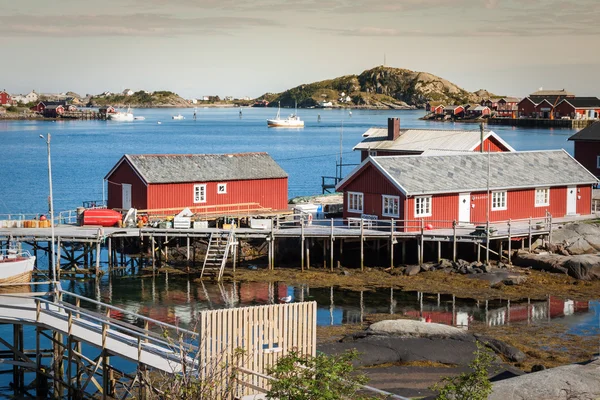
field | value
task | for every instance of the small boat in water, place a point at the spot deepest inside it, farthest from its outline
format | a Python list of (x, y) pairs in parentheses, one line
[(178, 116), (121, 116), (16, 266), (293, 121), (139, 118)]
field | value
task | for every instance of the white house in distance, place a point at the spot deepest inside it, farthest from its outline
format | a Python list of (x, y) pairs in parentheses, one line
[(128, 92)]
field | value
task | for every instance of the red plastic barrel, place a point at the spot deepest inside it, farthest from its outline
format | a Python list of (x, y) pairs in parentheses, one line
[(101, 217)]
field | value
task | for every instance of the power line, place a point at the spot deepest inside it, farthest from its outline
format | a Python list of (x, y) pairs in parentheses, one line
[(315, 156)]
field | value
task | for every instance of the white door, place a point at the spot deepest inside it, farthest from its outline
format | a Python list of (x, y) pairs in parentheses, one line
[(126, 199), (571, 200), (464, 208)]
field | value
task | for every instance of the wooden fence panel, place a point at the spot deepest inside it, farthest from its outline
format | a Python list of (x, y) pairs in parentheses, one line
[(262, 334)]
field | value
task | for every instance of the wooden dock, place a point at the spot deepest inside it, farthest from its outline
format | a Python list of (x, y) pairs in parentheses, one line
[(80, 249)]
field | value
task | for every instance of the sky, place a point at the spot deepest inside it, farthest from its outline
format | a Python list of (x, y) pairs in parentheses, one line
[(246, 48)]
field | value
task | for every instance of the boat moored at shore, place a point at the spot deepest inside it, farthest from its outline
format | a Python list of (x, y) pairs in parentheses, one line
[(15, 266)]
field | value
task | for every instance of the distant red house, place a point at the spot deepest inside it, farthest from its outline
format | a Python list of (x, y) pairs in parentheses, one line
[(159, 181), (507, 107), (439, 110), (394, 141), (455, 111), (454, 187), (587, 148), (41, 106), (54, 111), (5, 98), (479, 111), (578, 108)]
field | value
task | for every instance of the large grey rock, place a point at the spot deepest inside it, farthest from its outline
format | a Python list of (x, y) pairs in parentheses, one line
[(511, 353), (567, 382), (585, 266), (412, 270), (407, 327), (577, 238)]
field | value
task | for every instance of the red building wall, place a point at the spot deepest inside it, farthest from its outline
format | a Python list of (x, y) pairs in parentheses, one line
[(439, 110), (5, 98), (139, 191), (526, 108), (269, 193), (564, 109), (587, 154), (492, 144), (372, 184)]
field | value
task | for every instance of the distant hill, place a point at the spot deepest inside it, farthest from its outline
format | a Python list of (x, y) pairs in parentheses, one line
[(379, 87), (140, 99)]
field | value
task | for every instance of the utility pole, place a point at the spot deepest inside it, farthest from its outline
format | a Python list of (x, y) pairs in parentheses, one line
[(52, 254)]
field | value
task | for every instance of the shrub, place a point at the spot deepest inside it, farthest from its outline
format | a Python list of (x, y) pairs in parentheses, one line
[(474, 385), (315, 378)]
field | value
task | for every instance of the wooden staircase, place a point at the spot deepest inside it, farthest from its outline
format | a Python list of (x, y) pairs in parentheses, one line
[(220, 248)]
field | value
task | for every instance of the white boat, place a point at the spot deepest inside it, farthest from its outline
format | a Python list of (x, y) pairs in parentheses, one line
[(293, 121), (178, 116), (139, 118), (15, 266), (121, 116)]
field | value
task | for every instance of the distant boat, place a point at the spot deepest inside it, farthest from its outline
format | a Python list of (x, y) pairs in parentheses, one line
[(139, 118), (325, 104), (293, 121), (121, 116), (178, 116)]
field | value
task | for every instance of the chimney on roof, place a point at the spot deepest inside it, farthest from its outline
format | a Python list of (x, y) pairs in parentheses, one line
[(393, 128)]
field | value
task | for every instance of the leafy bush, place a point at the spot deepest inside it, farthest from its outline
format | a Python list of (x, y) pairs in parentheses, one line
[(474, 385), (315, 378)]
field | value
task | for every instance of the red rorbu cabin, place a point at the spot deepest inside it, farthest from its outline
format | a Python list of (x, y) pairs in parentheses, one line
[(450, 188), (587, 147), (197, 181), (395, 141)]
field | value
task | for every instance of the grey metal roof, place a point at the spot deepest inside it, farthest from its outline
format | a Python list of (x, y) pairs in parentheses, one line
[(425, 139), (591, 133), (177, 168), (416, 175)]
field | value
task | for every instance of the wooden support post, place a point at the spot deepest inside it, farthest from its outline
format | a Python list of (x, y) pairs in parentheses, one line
[(478, 246), (308, 244), (58, 254), (530, 234), (392, 239), (324, 253), (549, 228), (454, 240), (110, 255), (509, 244), (439, 251), (57, 364), (187, 251), (274, 250), (35, 247), (331, 240), (403, 252), (98, 249), (302, 244), (500, 251), (422, 242), (152, 252), (362, 244), (487, 242), (15, 357)]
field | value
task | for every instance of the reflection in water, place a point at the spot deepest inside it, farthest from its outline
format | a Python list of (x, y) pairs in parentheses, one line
[(178, 301)]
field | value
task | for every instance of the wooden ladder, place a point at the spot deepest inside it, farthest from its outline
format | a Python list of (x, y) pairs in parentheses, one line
[(217, 253)]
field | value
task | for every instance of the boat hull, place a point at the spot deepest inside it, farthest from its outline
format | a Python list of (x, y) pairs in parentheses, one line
[(121, 117), (273, 123), (17, 270)]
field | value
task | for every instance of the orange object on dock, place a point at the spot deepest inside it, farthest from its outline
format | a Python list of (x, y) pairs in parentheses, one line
[(101, 217)]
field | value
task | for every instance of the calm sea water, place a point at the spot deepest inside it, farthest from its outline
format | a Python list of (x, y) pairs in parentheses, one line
[(84, 151)]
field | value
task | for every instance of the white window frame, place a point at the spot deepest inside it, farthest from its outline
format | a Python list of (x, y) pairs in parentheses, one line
[(385, 211), (598, 162), (546, 201), (421, 211), (501, 203), (200, 193), (351, 203), (219, 191)]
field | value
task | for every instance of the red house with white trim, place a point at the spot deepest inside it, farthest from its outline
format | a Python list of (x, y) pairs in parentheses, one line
[(394, 141), (177, 181), (5, 98), (455, 187)]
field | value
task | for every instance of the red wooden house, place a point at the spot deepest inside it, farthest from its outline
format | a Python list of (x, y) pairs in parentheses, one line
[(454, 187), (5, 98), (54, 111), (587, 147), (395, 141), (439, 109), (578, 108), (454, 111), (507, 107), (159, 181)]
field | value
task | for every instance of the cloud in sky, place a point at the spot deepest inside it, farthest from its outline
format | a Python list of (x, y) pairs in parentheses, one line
[(124, 25)]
